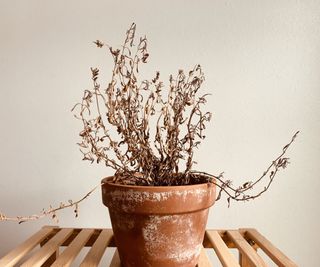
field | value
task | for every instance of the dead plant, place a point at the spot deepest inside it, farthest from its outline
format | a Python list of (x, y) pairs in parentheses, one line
[(146, 131)]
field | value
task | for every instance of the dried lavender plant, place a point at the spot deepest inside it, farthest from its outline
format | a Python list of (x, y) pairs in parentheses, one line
[(129, 106)]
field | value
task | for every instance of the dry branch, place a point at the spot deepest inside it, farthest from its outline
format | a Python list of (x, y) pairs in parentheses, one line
[(131, 107)]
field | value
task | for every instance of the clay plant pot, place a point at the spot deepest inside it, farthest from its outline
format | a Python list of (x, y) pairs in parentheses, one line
[(158, 226)]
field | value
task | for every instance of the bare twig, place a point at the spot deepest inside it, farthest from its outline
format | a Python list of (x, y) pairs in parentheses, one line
[(240, 193), (51, 211), (233, 193)]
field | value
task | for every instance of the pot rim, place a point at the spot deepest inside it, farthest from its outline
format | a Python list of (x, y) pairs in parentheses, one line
[(157, 199), (107, 180)]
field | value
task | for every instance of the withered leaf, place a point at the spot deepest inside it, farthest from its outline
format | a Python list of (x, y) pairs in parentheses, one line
[(98, 43)]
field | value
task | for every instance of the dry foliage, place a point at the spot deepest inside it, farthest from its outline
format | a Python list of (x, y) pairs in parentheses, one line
[(157, 130), (131, 107), (134, 109)]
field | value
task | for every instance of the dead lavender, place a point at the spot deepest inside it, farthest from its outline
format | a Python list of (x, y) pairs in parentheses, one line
[(175, 114), (129, 106)]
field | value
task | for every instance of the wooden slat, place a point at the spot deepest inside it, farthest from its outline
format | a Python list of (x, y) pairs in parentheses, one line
[(96, 252), (54, 256), (48, 249), (245, 249), (244, 261), (20, 251), (115, 262), (51, 259), (221, 249), (274, 253), (51, 238), (71, 252), (203, 259)]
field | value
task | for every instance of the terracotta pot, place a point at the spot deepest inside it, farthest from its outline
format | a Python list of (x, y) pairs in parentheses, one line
[(158, 226)]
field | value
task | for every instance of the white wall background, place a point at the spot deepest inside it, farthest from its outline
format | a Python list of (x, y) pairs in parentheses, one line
[(262, 63)]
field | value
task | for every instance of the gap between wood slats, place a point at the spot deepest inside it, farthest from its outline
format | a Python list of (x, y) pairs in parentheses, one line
[(274, 253), (76, 231), (95, 254), (72, 251), (221, 249), (20, 251), (245, 249), (48, 249)]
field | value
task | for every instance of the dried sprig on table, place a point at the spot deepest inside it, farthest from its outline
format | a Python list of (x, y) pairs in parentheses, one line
[(147, 133)]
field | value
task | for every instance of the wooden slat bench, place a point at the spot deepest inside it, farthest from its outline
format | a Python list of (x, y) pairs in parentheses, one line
[(44, 245)]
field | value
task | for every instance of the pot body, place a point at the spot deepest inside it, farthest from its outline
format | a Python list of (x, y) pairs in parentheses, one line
[(161, 226)]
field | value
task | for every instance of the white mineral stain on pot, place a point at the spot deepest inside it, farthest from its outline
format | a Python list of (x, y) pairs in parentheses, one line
[(171, 246), (140, 196), (129, 199)]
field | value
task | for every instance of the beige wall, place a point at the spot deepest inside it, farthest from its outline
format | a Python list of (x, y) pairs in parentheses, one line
[(262, 63)]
